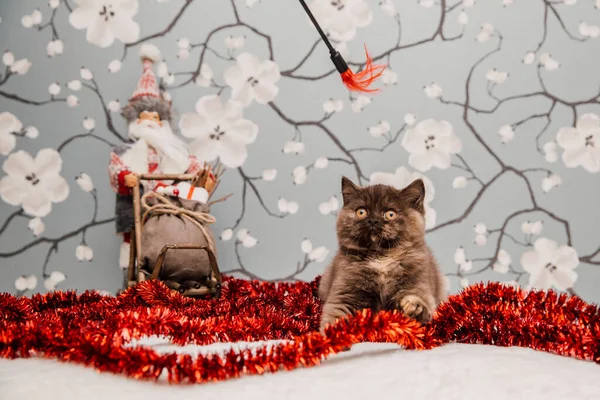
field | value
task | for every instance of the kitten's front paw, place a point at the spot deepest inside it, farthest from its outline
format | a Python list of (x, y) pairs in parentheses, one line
[(414, 307)]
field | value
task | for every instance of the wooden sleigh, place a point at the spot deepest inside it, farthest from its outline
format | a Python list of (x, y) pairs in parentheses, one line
[(136, 274)]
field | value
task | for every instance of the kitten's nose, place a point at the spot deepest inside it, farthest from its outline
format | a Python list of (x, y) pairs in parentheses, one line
[(373, 222)]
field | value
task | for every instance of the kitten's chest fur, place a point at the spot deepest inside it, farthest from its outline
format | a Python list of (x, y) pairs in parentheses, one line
[(387, 273)]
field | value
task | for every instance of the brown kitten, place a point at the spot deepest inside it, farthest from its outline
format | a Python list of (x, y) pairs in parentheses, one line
[(383, 262)]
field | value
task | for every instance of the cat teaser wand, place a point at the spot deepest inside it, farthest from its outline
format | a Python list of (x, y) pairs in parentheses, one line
[(358, 82)]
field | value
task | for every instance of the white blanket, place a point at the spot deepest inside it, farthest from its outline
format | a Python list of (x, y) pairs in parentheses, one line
[(370, 371)]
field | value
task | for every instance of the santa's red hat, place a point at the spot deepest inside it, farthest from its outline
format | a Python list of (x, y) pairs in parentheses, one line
[(148, 84)]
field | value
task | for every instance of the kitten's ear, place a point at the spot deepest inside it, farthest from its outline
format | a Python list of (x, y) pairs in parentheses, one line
[(414, 195), (349, 190)]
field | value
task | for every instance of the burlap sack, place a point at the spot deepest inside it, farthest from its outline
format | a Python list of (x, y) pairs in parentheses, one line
[(185, 266)]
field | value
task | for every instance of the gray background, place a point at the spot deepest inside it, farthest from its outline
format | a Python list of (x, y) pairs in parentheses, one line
[(278, 252)]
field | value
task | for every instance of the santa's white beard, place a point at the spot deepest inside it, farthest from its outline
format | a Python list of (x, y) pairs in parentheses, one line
[(172, 152)]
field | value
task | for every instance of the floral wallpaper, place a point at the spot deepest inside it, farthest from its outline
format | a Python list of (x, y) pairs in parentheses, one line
[(495, 104)]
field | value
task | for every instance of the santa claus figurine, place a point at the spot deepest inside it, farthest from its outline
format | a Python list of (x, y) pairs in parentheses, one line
[(154, 148)]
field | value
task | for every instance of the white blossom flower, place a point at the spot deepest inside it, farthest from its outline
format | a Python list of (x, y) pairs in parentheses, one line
[(460, 256), (528, 58), (162, 69), (106, 21), (466, 266), (115, 66), (468, 3), (53, 3), (36, 226), (89, 123), (330, 206), (550, 265), (550, 151), (74, 85), (206, 76), (86, 74), (506, 133), (34, 184), (497, 77), (388, 7), (20, 67), (84, 253), (85, 182), (269, 174), (218, 131), (26, 282), (235, 42), (550, 182), (433, 91), (299, 174), (532, 228), (306, 246), (227, 234), (480, 228), (252, 3), (32, 132), (430, 144), (293, 147), (8, 58), (410, 119), (360, 102), (55, 48), (549, 63), (379, 129), (287, 207), (54, 89), (72, 100), (321, 163), (251, 79), (503, 261), (485, 33), (480, 240), (506, 3), (569, 2), (183, 54), (426, 3), (249, 242), (183, 43), (36, 17), (536, 227), (169, 80), (331, 106), (341, 18), (54, 279), (463, 18), (9, 125), (589, 31), (400, 179), (242, 234), (27, 21), (319, 254), (389, 77), (459, 182), (464, 282), (581, 144), (114, 105)]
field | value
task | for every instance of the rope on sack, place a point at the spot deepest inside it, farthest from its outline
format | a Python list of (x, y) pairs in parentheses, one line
[(165, 207)]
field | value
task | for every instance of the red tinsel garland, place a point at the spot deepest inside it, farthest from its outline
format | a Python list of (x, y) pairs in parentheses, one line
[(95, 330)]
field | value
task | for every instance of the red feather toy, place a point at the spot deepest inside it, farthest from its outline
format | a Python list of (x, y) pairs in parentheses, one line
[(359, 81)]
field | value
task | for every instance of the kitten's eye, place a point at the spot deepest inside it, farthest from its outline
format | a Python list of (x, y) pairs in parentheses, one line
[(361, 213), (390, 215)]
